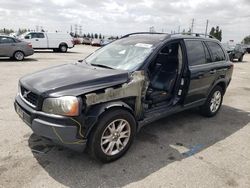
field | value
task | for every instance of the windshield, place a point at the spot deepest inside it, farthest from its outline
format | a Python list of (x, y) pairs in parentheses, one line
[(123, 54)]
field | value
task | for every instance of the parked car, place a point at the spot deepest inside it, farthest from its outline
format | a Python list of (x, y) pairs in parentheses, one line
[(86, 41), (102, 101), (14, 48), (235, 51), (56, 41), (96, 42)]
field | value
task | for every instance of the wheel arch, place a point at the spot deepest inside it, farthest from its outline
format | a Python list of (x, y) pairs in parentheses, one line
[(95, 112), (63, 43), (222, 83)]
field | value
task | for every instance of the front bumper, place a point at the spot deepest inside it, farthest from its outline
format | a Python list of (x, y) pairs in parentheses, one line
[(61, 130)]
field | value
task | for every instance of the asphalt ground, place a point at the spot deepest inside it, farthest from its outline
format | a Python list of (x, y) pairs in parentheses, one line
[(182, 150)]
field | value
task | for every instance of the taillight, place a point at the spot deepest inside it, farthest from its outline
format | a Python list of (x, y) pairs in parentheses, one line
[(30, 45)]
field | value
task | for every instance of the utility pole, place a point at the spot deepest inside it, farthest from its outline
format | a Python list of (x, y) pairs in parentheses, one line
[(206, 29), (192, 26)]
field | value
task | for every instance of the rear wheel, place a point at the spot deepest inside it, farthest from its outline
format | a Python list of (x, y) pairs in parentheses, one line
[(241, 58), (213, 103), (112, 136), (19, 56), (63, 48)]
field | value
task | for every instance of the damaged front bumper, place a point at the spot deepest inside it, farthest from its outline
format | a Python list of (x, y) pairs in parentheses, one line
[(61, 130)]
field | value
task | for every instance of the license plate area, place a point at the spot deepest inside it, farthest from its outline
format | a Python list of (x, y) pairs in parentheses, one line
[(23, 115)]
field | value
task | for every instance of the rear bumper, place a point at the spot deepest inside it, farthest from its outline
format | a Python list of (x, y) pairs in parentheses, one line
[(61, 130), (29, 52)]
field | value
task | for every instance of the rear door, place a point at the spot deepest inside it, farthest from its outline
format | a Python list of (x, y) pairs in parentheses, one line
[(7, 46), (201, 72)]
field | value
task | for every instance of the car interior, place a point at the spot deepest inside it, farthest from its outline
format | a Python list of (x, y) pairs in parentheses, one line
[(163, 73)]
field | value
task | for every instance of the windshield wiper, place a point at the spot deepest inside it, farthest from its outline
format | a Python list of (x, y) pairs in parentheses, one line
[(100, 65)]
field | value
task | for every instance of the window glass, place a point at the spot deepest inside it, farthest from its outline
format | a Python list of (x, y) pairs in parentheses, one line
[(216, 51), (195, 52), (5, 40), (40, 35), (208, 57)]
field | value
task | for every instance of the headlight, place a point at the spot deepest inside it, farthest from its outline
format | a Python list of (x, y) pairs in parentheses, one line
[(68, 106)]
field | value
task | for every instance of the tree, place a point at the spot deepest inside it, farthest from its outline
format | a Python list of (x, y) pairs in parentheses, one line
[(96, 36), (216, 32), (100, 36), (92, 35), (88, 35), (246, 40)]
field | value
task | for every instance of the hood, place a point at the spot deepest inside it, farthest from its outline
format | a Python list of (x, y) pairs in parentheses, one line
[(72, 79)]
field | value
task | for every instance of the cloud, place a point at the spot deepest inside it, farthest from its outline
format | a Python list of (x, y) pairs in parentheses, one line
[(121, 17)]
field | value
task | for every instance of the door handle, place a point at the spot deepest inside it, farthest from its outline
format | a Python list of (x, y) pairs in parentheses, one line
[(37, 40), (213, 71)]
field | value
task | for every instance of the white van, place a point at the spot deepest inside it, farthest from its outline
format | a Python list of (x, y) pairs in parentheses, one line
[(56, 41)]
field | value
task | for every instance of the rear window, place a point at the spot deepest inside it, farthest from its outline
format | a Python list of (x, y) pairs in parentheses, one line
[(195, 52), (216, 51)]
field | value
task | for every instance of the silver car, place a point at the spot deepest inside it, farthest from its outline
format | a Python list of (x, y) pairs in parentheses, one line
[(14, 48)]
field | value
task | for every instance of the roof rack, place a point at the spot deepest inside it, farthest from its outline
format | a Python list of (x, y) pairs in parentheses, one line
[(141, 33), (187, 33), (195, 34)]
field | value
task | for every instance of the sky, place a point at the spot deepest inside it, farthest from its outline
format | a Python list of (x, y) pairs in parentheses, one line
[(119, 17)]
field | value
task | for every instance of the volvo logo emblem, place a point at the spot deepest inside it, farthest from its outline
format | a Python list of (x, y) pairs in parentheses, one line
[(25, 94)]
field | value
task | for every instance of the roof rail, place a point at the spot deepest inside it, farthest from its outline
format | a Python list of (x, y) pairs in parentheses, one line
[(196, 34), (141, 33)]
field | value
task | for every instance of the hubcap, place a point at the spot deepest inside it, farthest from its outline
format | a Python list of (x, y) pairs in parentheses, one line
[(115, 137), (19, 55), (215, 101), (63, 48)]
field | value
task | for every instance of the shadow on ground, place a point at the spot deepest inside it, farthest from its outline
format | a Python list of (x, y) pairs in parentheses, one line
[(51, 52), (155, 147), (26, 59)]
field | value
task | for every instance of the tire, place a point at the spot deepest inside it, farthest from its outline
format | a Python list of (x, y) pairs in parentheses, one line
[(241, 58), (63, 48), (18, 55), (106, 143), (213, 102)]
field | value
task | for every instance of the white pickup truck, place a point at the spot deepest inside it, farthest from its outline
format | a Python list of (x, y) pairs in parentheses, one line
[(43, 40)]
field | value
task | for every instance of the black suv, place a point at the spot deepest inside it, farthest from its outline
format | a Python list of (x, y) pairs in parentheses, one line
[(103, 100), (235, 51)]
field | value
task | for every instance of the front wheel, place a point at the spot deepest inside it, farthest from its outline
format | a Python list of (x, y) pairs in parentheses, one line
[(112, 136), (213, 103)]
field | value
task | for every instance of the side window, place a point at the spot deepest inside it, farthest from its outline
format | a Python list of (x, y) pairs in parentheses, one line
[(33, 35), (216, 51), (195, 52), (40, 35), (208, 56), (6, 40)]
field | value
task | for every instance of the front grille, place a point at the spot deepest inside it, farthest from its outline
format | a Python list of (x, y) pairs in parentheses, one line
[(29, 96)]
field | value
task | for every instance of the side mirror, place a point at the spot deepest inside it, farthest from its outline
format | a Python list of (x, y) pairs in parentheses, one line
[(27, 37), (80, 61)]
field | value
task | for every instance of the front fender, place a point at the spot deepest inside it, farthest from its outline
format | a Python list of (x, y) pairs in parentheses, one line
[(94, 113)]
